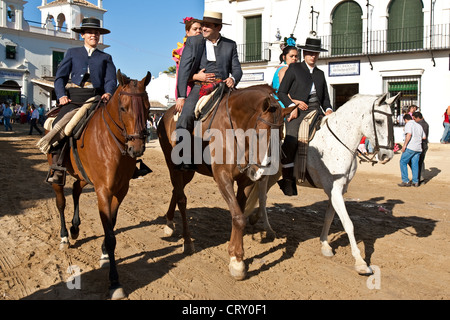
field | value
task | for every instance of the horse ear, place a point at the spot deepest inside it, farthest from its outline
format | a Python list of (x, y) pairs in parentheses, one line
[(147, 78), (120, 77), (392, 100), (381, 99), (287, 111)]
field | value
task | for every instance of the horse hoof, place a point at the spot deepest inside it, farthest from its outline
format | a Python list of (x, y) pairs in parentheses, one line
[(327, 251), (237, 269), (364, 270), (64, 244), (104, 261), (74, 233), (117, 293), (189, 248), (168, 231)]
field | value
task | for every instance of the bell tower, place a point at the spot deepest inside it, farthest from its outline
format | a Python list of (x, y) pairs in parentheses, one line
[(64, 15), (12, 14)]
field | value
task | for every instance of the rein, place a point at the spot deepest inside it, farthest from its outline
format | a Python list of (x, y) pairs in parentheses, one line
[(377, 146), (137, 104)]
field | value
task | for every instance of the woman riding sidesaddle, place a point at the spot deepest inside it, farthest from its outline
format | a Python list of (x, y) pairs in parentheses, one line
[(92, 72)]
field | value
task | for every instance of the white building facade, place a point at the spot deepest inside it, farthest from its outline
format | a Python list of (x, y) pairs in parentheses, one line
[(161, 91), (30, 51), (374, 46)]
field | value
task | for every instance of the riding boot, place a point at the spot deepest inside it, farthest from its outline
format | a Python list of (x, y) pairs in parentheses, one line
[(288, 184), (184, 166), (57, 174)]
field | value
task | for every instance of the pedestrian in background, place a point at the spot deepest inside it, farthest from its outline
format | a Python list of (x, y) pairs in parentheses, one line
[(41, 110), (446, 135), (34, 120), (418, 117), (7, 113), (412, 148)]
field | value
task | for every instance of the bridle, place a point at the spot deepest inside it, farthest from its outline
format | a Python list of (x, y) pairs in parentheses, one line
[(275, 124), (137, 103), (377, 146)]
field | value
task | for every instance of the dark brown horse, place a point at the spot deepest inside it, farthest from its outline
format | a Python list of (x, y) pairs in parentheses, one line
[(108, 148), (244, 110)]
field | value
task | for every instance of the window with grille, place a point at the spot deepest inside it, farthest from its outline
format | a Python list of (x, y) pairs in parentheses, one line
[(409, 87), (347, 29), (57, 58), (253, 38), (405, 25), (10, 52)]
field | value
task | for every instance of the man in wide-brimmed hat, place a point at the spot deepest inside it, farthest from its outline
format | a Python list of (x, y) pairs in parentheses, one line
[(212, 56), (92, 72), (305, 86)]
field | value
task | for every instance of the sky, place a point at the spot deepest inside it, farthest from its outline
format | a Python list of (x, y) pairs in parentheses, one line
[(143, 32)]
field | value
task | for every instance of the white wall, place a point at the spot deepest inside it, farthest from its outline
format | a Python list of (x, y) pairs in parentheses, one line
[(282, 14), (162, 86)]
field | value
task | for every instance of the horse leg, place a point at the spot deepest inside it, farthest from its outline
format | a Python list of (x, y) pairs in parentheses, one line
[(263, 184), (61, 205), (170, 225), (327, 251), (179, 181), (107, 216), (235, 247), (339, 205), (115, 203), (76, 192)]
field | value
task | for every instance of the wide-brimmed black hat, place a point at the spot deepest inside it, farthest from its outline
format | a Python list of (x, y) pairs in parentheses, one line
[(91, 24), (313, 45)]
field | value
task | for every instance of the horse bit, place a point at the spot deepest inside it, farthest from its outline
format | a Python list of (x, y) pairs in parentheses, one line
[(138, 100)]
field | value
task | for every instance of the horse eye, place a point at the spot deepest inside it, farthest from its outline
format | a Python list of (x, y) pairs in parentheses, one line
[(122, 109), (380, 122)]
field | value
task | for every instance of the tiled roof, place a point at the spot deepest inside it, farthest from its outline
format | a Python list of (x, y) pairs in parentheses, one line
[(77, 2)]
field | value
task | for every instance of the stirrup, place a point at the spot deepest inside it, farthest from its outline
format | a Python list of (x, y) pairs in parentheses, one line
[(51, 173)]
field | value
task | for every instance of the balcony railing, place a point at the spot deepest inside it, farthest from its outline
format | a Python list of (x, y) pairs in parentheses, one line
[(253, 52), (388, 41), (46, 71)]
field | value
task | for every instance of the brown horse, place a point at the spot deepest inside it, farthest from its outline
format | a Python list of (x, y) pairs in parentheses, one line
[(253, 108), (112, 140)]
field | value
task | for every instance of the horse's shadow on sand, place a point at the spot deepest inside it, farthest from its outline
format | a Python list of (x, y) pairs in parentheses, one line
[(372, 220), (370, 224)]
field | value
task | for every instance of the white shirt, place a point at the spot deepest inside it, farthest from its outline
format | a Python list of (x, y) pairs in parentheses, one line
[(89, 51), (35, 114), (210, 54), (313, 88), (417, 134)]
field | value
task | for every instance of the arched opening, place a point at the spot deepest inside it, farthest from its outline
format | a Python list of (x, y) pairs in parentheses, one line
[(61, 22), (50, 22), (405, 25), (10, 92), (347, 29), (11, 14)]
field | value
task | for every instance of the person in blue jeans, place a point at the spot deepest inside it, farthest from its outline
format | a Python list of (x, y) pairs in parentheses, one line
[(7, 113), (412, 148), (446, 135)]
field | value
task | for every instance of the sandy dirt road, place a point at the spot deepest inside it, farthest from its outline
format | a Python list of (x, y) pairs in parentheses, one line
[(404, 232)]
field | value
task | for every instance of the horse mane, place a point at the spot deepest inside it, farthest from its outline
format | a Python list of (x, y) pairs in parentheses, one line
[(345, 105)]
